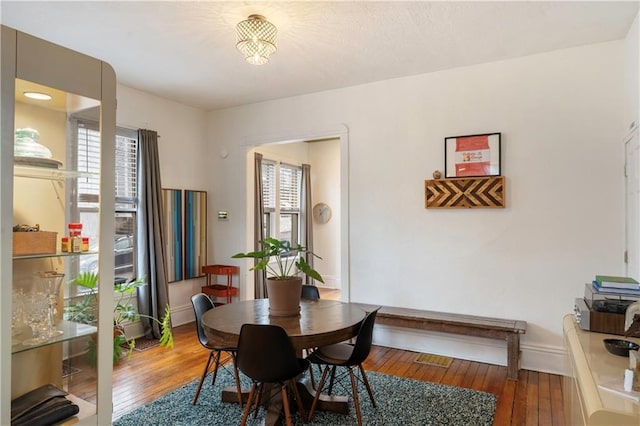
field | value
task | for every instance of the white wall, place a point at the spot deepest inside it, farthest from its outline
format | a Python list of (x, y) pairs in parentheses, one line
[(183, 162), (561, 118), (632, 70), (325, 187)]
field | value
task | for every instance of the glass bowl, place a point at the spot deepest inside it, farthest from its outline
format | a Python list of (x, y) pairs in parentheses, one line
[(620, 347)]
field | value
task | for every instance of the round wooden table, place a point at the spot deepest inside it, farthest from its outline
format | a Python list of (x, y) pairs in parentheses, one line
[(320, 323)]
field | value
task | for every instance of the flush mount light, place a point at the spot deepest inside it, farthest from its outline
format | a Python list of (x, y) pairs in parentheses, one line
[(256, 39), (37, 95)]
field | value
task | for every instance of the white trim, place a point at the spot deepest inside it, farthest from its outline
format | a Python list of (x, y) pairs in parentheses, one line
[(547, 359), (340, 131)]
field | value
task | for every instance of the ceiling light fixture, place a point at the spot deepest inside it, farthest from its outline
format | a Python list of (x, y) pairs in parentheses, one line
[(37, 95), (256, 39)]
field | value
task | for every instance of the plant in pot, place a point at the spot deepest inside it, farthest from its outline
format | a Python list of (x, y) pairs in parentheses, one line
[(84, 311), (284, 283)]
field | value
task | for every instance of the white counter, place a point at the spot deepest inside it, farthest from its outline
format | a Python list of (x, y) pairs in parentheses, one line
[(590, 367)]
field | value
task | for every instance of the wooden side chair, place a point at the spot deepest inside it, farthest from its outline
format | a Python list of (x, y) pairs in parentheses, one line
[(266, 355), (201, 304), (349, 356)]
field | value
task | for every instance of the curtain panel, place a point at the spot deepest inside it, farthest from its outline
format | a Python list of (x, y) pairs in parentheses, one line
[(151, 259)]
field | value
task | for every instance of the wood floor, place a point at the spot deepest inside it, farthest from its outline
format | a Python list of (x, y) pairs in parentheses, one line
[(534, 399)]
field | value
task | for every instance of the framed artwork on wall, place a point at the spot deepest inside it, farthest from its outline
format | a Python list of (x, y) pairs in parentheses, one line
[(472, 155), (195, 233), (172, 208)]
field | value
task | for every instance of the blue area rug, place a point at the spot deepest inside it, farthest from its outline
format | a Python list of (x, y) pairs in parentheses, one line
[(400, 402)]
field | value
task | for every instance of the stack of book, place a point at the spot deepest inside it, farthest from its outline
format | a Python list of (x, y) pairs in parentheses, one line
[(606, 284)]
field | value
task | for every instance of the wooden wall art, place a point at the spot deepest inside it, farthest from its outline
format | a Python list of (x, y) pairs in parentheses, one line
[(172, 207), (195, 233), (464, 193)]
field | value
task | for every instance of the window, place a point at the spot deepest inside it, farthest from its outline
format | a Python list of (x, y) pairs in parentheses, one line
[(126, 196), (281, 185)]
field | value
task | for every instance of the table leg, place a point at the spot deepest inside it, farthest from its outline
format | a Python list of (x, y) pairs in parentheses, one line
[(335, 403)]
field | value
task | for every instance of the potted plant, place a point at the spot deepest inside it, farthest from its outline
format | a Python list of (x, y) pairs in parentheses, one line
[(84, 311), (284, 284)]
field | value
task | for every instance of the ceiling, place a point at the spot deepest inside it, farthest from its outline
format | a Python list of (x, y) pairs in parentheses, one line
[(185, 51)]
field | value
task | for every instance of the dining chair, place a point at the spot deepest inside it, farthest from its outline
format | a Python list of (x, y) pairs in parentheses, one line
[(310, 292), (201, 304), (349, 356), (266, 355)]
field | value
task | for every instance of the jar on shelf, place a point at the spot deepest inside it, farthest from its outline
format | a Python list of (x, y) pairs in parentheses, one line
[(75, 229), (64, 245)]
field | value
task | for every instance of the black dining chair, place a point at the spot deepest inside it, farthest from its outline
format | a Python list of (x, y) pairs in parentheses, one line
[(201, 304), (349, 356), (266, 355), (310, 292)]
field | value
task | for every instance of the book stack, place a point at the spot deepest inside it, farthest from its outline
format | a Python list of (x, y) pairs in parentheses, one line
[(613, 285)]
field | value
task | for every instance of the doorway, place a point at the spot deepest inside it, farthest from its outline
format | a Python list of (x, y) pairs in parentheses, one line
[(327, 152)]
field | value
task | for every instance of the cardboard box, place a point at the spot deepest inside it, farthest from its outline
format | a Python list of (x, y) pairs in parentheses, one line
[(31, 243)]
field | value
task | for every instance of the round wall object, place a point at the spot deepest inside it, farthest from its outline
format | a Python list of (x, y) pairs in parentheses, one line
[(321, 213)]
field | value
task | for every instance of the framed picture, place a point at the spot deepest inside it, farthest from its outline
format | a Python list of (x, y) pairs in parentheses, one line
[(172, 208), (472, 155), (195, 233)]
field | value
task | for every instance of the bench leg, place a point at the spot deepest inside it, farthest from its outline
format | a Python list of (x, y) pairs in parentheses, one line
[(513, 355)]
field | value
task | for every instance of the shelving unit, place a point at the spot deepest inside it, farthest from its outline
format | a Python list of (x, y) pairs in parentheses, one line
[(465, 193), (218, 290), (43, 195)]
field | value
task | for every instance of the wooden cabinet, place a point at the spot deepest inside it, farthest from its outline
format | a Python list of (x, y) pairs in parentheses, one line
[(43, 190), (589, 366)]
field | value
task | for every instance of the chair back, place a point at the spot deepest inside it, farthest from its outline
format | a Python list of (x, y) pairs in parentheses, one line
[(266, 354), (362, 347), (310, 292), (201, 304)]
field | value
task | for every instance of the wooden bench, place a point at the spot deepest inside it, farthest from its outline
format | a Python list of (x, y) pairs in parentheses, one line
[(493, 328)]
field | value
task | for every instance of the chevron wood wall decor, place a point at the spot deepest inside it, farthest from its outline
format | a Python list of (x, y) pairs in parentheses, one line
[(464, 193)]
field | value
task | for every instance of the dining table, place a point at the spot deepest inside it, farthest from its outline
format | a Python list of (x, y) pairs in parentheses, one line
[(320, 322)]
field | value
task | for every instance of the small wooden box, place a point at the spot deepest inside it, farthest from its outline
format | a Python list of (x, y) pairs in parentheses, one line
[(30, 243)]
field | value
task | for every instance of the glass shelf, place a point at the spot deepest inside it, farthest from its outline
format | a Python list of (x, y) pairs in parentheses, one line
[(57, 254), (48, 173), (71, 330)]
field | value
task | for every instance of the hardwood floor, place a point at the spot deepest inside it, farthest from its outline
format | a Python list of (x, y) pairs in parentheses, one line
[(535, 399)]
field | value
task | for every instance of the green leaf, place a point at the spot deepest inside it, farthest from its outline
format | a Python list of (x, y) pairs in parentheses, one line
[(304, 267)]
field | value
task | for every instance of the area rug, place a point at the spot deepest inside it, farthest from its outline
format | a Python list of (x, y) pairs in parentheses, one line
[(142, 344), (400, 402), (437, 360)]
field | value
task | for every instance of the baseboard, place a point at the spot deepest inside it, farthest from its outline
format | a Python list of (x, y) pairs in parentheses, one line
[(181, 315), (330, 281), (491, 351)]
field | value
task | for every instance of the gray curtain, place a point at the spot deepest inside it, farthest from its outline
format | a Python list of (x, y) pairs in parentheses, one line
[(154, 297), (306, 231), (260, 287)]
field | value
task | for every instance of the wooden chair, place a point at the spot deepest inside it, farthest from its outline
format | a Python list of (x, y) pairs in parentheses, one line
[(266, 355), (349, 356), (201, 304)]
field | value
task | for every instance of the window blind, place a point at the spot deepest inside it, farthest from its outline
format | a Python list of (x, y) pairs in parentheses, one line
[(269, 189), (290, 177), (126, 157)]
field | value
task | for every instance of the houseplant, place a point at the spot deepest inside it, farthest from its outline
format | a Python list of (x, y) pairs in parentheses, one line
[(284, 284), (84, 311)]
